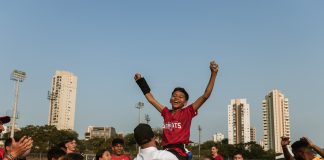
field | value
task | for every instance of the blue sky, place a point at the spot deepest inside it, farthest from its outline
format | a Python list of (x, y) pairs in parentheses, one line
[(260, 46)]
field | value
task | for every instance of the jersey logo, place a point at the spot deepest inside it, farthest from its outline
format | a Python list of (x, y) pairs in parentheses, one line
[(172, 125)]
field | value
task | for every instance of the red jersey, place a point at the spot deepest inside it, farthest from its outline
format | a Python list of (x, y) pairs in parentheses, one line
[(176, 127), (121, 157), (2, 153), (218, 157)]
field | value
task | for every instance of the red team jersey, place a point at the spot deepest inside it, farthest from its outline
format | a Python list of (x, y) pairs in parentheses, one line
[(121, 157), (1, 153), (176, 127), (218, 157)]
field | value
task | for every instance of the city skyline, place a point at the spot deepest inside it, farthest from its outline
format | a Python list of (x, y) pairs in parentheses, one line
[(260, 46)]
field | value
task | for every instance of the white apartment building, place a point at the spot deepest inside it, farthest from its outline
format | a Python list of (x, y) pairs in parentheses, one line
[(276, 121), (100, 132), (253, 134), (238, 122), (218, 137), (62, 100)]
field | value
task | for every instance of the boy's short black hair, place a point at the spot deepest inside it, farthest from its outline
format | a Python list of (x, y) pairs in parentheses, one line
[(180, 89), (100, 153), (299, 144), (55, 153), (143, 133), (215, 145), (66, 140), (238, 153), (117, 141)]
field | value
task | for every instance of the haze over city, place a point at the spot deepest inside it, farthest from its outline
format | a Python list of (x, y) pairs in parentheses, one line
[(259, 46)]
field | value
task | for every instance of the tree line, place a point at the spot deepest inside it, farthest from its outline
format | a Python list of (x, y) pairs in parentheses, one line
[(47, 136)]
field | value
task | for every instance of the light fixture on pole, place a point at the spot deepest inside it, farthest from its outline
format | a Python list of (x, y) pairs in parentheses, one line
[(139, 106), (17, 76), (147, 118)]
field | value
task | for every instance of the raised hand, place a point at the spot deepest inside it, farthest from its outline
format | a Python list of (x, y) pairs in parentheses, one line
[(21, 147), (137, 76), (285, 141), (213, 66)]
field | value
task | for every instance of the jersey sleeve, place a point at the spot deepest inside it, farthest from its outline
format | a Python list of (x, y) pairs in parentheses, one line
[(192, 111), (164, 111)]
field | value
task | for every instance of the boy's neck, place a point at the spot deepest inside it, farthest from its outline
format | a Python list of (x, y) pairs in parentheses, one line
[(176, 110)]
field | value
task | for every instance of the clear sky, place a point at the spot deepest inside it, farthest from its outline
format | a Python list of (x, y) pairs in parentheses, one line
[(259, 45)]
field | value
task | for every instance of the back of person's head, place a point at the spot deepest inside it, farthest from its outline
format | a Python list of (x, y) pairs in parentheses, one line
[(301, 150), (180, 89), (238, 155), (66, 140), (143, 134), (299, 145), (73, 156), (100, 153), (55, 153), (117, 141)]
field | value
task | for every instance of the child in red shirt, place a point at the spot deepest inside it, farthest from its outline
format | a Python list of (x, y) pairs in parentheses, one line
[(177, 121), (118, 150)]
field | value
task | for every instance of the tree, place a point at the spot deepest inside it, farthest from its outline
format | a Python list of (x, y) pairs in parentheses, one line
[(95, 144), (45, 136)]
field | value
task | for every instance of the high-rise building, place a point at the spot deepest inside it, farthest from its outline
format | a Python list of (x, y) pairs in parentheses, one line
[(275, 120), (253, 134), (62, 100), (218, 137), (100, 132), (238, 121)]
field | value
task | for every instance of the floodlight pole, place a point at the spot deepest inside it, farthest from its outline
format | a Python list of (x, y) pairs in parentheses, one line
[(199, 131), (17, 76), (139, 106)]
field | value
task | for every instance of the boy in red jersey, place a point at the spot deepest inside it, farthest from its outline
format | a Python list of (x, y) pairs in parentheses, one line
[(118, 150), (177, 121)]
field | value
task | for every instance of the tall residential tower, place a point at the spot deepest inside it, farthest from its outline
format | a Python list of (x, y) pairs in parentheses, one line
[(275, 120), (62, 100), (238, 121)]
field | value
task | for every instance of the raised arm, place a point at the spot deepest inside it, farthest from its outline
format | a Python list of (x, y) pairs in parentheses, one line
[(318, 150), (284, 144), (147, 92), (202, 99)]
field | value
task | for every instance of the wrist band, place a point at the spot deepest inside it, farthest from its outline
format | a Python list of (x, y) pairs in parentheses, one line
[(143, 85)]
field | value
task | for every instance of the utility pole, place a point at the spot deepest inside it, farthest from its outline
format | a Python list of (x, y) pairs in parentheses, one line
[(17, 76), (199, 131), (139, 106)]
